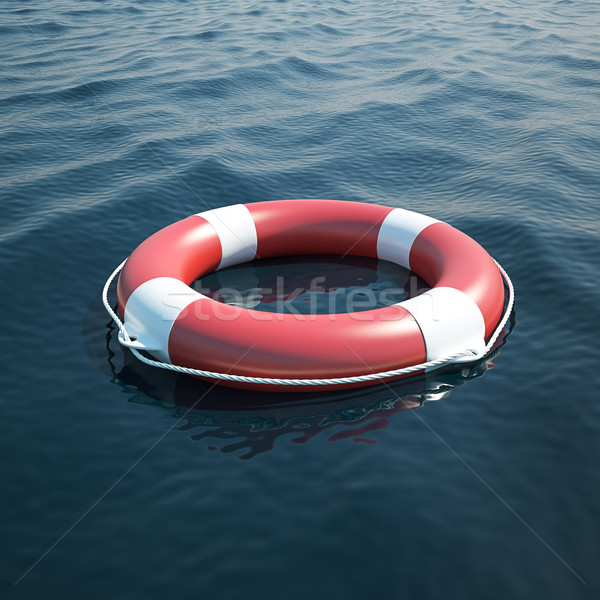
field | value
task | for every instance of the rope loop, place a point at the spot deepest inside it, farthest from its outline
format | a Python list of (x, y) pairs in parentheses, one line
[(125, 340)]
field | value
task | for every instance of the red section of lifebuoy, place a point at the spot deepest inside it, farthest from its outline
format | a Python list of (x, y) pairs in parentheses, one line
[(316, 345), (317, 227)]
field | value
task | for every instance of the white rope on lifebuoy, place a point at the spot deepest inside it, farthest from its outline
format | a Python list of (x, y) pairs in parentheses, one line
[(296, 382)]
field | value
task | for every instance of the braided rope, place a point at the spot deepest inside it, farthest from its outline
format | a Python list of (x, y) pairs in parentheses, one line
[(293, 382)]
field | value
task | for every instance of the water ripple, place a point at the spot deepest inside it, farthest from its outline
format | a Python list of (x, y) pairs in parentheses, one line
[(119, 118)]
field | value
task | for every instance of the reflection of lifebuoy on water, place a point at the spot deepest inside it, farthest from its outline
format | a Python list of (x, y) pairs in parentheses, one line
[(454, 322), (246, 423)]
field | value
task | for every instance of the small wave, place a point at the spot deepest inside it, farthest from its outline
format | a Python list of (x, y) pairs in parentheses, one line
[(207, 36), (426, 75), (51, 28), (574, 63), (304, 67)]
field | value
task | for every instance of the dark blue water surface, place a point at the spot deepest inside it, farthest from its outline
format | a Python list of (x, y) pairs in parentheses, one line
[(118, 118)]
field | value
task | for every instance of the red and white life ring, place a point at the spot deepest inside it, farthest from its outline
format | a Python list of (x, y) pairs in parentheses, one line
[(181, 326)]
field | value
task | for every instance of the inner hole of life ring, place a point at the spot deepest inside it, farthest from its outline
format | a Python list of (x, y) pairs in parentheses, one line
[(316, 284)]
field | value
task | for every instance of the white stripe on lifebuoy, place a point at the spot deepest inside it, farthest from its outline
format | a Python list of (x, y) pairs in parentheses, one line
[(153, 308), (236, 230), (449, 320), (398, 233)]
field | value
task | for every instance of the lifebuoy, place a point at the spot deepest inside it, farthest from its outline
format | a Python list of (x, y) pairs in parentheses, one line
[(176, 324)]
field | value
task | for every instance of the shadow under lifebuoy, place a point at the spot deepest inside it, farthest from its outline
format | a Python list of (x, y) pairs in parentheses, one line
[(248, 423)]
